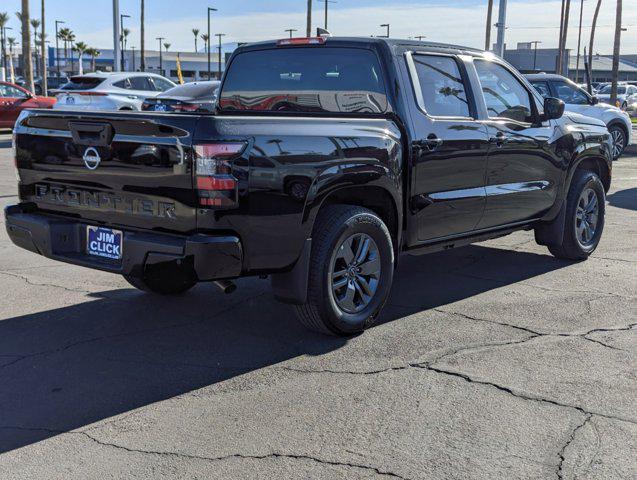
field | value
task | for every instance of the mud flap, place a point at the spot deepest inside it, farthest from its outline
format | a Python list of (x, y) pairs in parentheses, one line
[(291, 287), (552, 233)]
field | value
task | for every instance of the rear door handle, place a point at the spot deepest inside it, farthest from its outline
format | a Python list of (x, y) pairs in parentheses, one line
[(499, 139), (431, 143)]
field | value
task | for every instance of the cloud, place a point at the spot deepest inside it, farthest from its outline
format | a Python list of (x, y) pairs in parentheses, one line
[(463, 25)]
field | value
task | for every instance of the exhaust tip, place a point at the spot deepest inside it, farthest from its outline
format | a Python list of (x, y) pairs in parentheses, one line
[(226, 286)]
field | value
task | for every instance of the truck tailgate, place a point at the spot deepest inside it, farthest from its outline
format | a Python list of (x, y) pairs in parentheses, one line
[(119, 169)]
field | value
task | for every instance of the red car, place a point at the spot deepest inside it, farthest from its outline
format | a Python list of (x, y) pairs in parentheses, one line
[(14, 99)]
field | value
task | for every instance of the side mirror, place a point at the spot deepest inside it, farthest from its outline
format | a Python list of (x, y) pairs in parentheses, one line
[(594, 100), (553, 108)]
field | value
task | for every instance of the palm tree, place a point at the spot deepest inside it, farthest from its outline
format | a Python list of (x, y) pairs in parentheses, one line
[(205, 38), (123, 40), (4, 18), (26, 46), (618, 34), (195, 32), (64, 35), (35, 23), (142, 62), (80, 48), (166, 46), (592, 40), (94, 53), (12, 43)]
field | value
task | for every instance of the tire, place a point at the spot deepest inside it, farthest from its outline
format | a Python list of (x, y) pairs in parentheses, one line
[(574, 247), (174, 283), (619, 137), (331, 309)]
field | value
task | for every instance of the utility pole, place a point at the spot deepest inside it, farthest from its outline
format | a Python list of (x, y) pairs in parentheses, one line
[(43, 48), (291, 31), (116, 34), (57, 49), (121, 38), (502, 20), (579, 39), (487, 35), (210, 9), (308, 31), (386, 25), (535, 42), (327, 2), (219, 35), (161, 65)]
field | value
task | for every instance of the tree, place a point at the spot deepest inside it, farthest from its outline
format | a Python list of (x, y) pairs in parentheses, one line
[(64, 34), (618, 34), (4, 18), (142, 62), (592, 40), (80, 48), (35, 23), (166, 46), (205, 38), (12, 43), (93, 53), (563, 36), (26, 46), (195, 32)]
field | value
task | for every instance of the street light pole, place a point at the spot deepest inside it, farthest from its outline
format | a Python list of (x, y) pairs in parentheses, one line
[(210, 9), (121, 38), (116, 34), (57, 49), (291, 31), (420, 37), (219, 35), (161, 69), (502, 20), (133, 53), (45, 87), (535, 42), (386, 25)]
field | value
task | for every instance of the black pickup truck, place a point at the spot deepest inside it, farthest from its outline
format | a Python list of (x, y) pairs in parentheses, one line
[(326, 158)]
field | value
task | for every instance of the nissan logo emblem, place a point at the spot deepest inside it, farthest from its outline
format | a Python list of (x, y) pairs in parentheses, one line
[(91, 158)]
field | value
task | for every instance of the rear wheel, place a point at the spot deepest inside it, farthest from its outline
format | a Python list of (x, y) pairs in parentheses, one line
[(619, 137), (585, 210), (351, 271)]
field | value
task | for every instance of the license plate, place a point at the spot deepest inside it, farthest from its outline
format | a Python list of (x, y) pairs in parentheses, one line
[(70, 100), (160, 108), (104, 242)]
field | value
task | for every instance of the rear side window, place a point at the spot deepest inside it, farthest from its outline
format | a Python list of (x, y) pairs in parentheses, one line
[(82, 83), (162, 85), (504, 95), (135, 83), (299, 79), (443, 90)]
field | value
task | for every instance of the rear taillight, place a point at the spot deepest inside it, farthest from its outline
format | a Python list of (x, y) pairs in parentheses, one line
[(186, 107), (92, 94), (215, 183), (301, 41)]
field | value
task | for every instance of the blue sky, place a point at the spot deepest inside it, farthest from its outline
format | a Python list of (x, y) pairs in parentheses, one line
[(455, 21)]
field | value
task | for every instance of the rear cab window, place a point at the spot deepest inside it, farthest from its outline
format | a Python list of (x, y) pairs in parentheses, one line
[(82, 83), (305, 79)]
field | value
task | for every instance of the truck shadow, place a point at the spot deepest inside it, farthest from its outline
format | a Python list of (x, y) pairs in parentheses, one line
[(69, 367), (626, 199)]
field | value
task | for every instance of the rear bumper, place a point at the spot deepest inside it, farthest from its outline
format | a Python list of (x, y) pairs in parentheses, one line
[(209, 257)]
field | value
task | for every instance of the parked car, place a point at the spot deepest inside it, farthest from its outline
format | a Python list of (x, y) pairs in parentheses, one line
[(110, 91), (579, 101), (415, 147), (626, 93), (190, 97), (52, 83), (14, 99)]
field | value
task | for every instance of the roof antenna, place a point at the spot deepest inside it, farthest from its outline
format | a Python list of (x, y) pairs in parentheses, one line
[(321, 32)]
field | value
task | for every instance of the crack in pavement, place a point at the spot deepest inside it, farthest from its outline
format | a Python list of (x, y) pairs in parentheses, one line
[(272, 455), (124, 334), (562, 452), (29, 282)]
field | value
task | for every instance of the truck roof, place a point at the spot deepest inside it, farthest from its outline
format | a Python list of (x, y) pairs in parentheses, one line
[(369, 41)]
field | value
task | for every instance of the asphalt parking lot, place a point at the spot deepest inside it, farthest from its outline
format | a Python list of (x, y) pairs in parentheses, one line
[(492, 361)]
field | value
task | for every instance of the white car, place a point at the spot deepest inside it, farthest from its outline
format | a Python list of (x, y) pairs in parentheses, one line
[(110, 91), (626, 94), (579, 101)]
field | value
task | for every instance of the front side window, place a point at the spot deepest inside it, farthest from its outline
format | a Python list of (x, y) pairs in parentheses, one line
[(571, 94), (161, 85), (141, 83), (504, 95), (7, 91), (443, 90), (542, 88)]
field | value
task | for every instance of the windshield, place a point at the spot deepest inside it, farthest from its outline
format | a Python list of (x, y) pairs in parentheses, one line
[(608, 88), (305, 79), (82, 83)]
